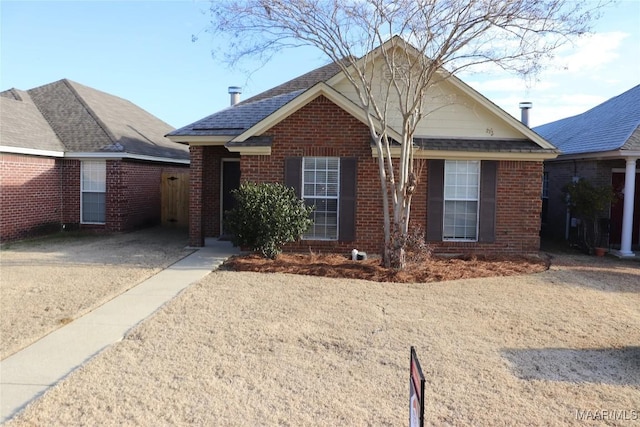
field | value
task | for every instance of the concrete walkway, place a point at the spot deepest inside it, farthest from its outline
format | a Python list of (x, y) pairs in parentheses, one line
[(27, 374)]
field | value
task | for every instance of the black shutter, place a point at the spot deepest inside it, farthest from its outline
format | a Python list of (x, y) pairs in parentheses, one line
[(435, 200), (488, 185), (293, 174), (347, 209)]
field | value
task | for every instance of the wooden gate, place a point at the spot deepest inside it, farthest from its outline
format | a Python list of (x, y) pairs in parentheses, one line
[(174, 199)]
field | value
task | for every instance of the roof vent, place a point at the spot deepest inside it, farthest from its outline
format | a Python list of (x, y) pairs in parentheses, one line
[(235, 92), (524, 112)]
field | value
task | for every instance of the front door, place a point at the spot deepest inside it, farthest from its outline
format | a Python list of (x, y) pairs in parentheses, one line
[(230, 181), (617, 180)]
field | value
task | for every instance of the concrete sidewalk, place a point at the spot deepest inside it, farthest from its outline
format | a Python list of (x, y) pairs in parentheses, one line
[(27, 374)]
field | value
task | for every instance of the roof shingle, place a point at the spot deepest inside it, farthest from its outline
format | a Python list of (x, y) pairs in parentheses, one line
[(612, 125), (23, 126)]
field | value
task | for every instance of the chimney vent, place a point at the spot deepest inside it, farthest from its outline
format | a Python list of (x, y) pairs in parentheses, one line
[(524, 112), (235, 92)]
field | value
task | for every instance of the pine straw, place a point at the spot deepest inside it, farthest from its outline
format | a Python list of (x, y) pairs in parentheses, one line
[(435, 269)]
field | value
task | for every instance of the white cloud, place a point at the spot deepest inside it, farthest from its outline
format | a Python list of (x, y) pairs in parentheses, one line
[(589, 53)]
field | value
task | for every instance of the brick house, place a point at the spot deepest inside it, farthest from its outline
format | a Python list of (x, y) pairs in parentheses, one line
[(310, 133), (75, 157), (601, 145)]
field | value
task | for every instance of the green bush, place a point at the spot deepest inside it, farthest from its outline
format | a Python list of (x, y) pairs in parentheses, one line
[(266, 217)]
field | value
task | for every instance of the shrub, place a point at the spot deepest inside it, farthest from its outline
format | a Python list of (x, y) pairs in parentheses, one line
[(266, 217), (589, 203)]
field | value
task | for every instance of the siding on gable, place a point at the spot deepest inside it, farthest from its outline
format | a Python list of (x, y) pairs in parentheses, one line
[(450, 114)]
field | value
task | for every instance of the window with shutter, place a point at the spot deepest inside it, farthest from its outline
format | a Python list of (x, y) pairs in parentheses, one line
[(469, 203), (330, 184)]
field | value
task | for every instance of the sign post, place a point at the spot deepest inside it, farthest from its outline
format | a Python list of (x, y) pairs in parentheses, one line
[(416, 391)]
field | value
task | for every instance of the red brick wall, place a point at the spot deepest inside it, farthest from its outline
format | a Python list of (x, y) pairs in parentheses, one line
[(133, 193), (42, 195), (71, 193), (204, 196), (517, 212), (323, 129), (30, 197)]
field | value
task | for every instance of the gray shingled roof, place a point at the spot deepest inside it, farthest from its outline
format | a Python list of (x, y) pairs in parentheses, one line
[(612, 125), (88, 120), (304, 81), (481, 145), (236, 119), (23, 126)]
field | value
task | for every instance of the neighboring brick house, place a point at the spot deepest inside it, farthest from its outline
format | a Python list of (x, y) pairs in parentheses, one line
[(72, 156), (601, 145), (309, 133)]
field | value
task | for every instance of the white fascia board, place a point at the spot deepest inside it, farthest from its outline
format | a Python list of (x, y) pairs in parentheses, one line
[(250, 151), (470, 155), (30, 151), (122, 156), (200, 139), (602, 155)]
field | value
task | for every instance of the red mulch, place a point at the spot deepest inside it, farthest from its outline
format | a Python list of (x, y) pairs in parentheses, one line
[(434, 270)]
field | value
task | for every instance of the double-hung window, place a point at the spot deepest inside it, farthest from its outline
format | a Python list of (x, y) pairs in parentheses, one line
[(320, 188), (93, 192), (461, 197)]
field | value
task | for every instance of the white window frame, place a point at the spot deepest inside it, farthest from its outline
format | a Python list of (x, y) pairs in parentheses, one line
[(99, 186), (308, 197), (475, 198), (545, 185)]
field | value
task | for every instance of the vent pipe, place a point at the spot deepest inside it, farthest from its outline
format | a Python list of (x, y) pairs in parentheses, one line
[(235, 92), (524, 112)]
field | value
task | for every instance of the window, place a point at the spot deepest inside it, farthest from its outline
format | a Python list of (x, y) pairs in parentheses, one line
[(461, 197), (545, 197), (320, 188), (93, 191)]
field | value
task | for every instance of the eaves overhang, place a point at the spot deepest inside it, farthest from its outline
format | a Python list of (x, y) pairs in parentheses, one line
[(200, 139), (30, 151), (472, 155), (600, 155), (123, 156)]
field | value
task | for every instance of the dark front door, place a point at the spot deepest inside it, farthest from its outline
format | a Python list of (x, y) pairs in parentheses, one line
[(617, 180), (230, 181)]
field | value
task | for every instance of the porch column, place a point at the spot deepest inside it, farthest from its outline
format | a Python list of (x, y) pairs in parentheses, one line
[(627, 213)]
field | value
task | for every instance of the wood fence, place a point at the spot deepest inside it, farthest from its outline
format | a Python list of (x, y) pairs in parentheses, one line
[(174, 199)]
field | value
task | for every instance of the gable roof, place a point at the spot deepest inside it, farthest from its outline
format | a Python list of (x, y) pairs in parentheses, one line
[(241, 125), (89, 122), (22, 126), (612, 125), (304, 81), (236, 119)]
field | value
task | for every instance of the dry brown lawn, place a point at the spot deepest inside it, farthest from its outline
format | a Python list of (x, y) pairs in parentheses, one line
[(50, 281), (246, 348)]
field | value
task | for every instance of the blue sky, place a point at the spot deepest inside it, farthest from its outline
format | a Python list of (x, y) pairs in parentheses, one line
[(143, 51)]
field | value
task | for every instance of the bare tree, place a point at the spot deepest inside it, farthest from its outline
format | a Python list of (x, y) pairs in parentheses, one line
[(418, 43)]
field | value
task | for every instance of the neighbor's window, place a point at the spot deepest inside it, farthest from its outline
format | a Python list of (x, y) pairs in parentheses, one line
[(93, 191), (545, 196), (320, 184), (461, 195)]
